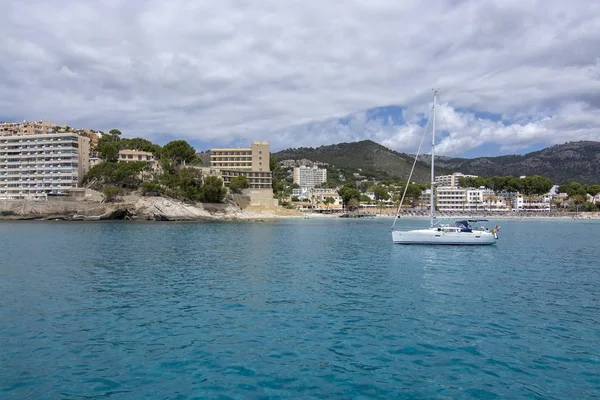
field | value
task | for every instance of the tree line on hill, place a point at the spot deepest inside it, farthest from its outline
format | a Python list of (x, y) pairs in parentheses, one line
[(534, 186), (530, 185)]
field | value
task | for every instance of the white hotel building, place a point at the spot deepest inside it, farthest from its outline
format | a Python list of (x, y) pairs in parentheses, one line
[(318, 195), (37, 165), (453, 199), (308, 177)]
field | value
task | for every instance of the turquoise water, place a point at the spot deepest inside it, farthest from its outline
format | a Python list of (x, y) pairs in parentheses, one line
[(315, 308)]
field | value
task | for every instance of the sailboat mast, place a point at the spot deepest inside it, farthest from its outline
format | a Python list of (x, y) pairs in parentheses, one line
[(432, 197)]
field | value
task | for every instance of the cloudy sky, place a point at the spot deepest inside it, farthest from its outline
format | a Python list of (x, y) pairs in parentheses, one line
[(513, 76)]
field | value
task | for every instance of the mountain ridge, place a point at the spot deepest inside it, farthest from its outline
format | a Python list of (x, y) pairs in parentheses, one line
[(571, 161)]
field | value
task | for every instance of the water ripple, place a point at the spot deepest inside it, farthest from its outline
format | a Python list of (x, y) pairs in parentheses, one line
[(299, 309)]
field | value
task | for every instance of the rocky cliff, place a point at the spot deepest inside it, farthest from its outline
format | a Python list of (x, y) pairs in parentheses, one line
[(131, 207)]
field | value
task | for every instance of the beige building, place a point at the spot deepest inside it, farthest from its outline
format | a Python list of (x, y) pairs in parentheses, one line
[(26, 128), (137, 155), (44, 127), (207, 171), (451, 180), (130, 156), (251, 162), (37, 165)]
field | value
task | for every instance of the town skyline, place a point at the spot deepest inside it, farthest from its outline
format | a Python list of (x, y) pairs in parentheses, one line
[(41, 159)]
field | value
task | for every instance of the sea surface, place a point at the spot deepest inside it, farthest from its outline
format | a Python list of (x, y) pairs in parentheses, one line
[(296, 309)]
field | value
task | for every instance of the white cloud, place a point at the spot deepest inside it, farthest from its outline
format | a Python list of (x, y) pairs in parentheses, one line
[(463, 131), (236, 70)]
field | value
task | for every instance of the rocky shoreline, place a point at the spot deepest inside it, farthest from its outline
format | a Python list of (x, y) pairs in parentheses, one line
[(133, 207), (149, 208)]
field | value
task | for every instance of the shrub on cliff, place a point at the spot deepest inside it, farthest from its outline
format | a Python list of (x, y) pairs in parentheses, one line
[(238, 183), (111, 193), (182, 183), (213, 190), (152, 189), (186, 183), (125, 175)]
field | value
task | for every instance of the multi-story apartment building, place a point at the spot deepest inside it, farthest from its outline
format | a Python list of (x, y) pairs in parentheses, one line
[(451, 180), (531, 203), (451, 198), (37, 165), (309, 177), (251, 162)]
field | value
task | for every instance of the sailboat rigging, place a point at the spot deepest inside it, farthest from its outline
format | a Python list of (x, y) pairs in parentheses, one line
[(462, 232)]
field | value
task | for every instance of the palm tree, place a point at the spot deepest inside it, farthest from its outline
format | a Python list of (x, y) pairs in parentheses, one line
[(509, 200), (353, 204), (280, 195), (488, 200), (577, 200), (494, 199), (327, 201), (530, 198), (556, 203)]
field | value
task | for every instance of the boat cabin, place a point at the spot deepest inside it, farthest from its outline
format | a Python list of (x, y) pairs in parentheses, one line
[(463, 226)]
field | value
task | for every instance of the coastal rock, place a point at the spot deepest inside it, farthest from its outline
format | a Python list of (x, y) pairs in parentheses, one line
[(118, 213), (162, 209), (134, 207)]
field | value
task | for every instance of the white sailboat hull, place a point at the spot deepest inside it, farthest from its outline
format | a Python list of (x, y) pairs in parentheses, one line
[(435, 236)]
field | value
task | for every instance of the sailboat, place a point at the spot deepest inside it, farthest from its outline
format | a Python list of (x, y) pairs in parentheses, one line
[(463, 232)]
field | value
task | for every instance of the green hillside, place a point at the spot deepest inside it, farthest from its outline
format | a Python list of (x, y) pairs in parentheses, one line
[(372, 159), (573, 161)]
